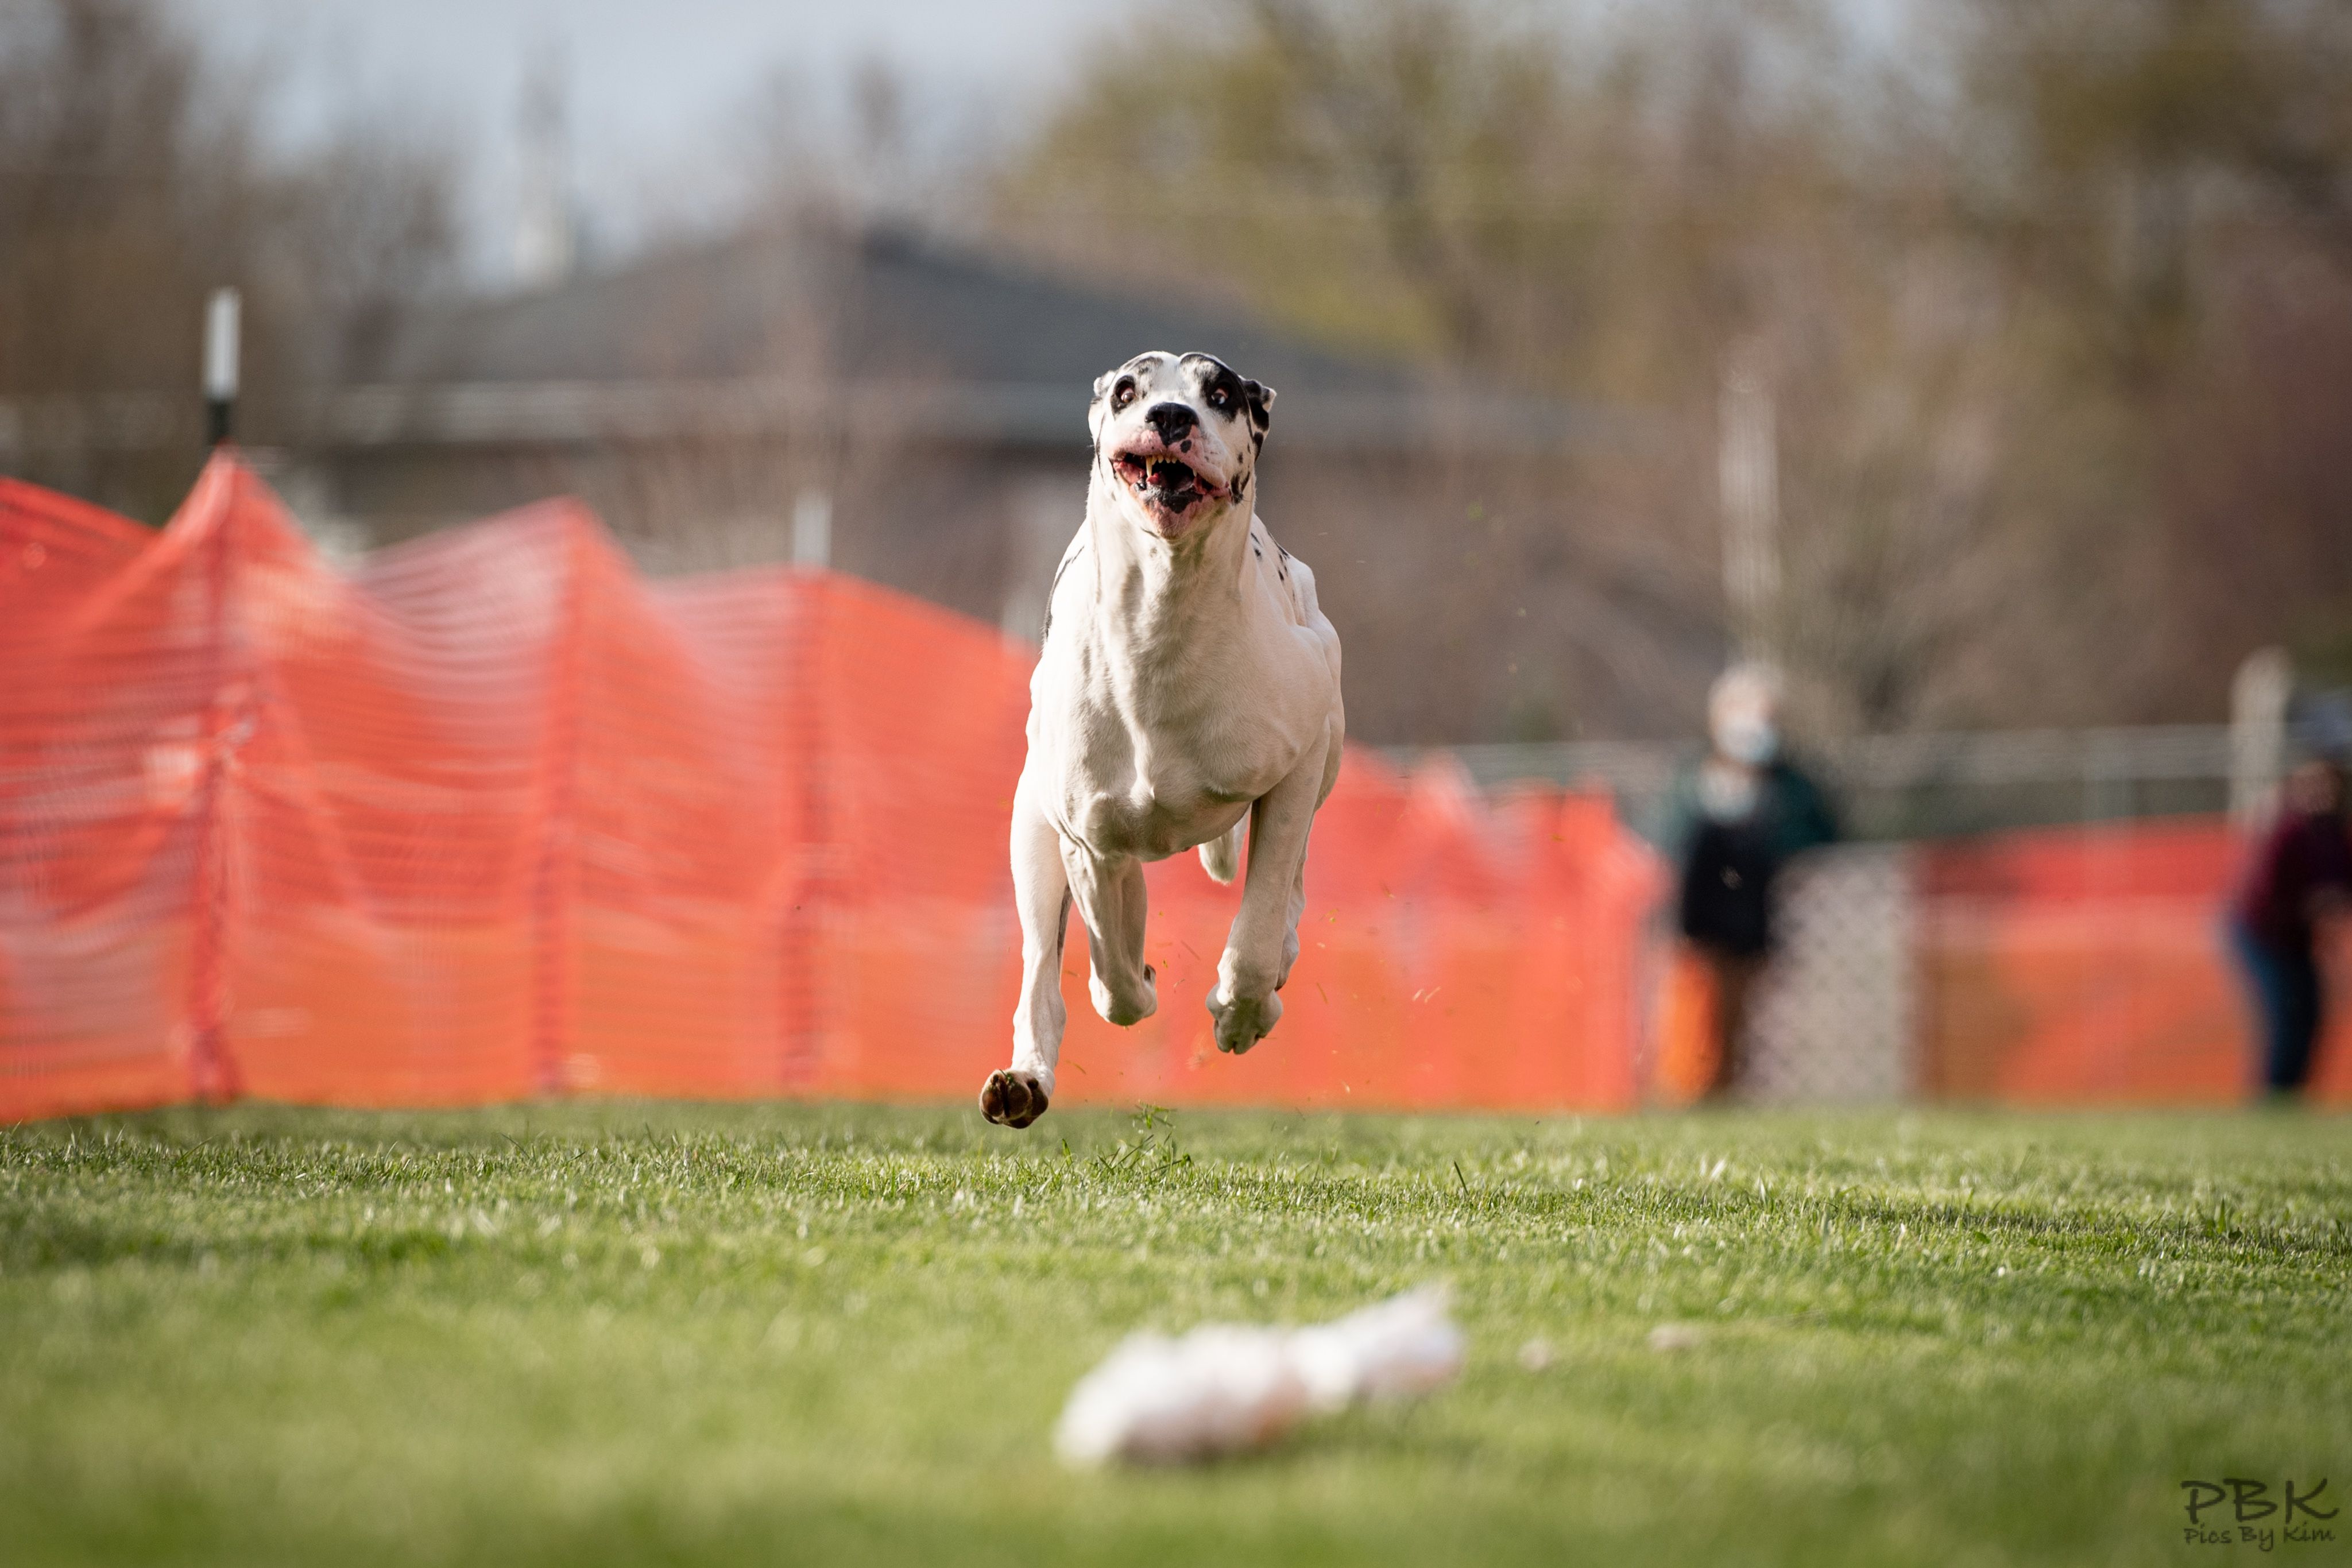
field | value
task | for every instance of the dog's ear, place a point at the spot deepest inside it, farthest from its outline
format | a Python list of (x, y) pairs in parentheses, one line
[(1260, 398), (1099, 405), (1096, 407)]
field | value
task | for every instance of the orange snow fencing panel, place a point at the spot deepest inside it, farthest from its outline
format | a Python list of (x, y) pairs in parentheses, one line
[(104, 696), (499, 819), (495, 817), (2086, 966), (1451, 957)]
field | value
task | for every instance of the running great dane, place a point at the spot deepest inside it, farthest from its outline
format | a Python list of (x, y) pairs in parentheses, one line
[(1188, 695)]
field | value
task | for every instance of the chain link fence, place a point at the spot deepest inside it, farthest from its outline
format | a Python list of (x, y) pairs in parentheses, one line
[(1837, 1013)]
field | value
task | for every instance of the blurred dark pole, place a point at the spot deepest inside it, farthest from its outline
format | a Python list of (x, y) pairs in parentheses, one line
[(220, 366)]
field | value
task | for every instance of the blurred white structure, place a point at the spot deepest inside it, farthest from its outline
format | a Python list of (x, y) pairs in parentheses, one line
[(2258, 696), (546, 235), (1749, 477), (813, 528)]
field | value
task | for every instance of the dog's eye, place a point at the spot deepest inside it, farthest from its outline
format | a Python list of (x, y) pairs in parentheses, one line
[(1122, 395), (1219, 399)]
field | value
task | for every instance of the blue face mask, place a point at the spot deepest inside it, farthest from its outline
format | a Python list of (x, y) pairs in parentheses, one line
[(1749, 740)]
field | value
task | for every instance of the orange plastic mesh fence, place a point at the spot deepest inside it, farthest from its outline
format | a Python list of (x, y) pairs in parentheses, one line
[(496, 817), (2089, 966)]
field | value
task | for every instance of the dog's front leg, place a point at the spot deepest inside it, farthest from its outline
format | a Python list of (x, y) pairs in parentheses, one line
[(1263, 940), (1017, 1095)]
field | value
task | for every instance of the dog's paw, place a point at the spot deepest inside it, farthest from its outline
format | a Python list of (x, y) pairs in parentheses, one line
[(1125, 1010), (1012, 1098), (1243, 1022)]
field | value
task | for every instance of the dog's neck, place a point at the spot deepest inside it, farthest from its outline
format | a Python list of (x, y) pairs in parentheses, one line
[(1158, 596)]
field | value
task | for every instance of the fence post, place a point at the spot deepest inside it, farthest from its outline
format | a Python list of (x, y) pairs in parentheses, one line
[(553, 888), (212, 1072), (221, 312), (809, 891)]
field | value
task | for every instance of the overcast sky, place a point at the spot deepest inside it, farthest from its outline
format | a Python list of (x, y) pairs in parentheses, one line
[(658, 92)]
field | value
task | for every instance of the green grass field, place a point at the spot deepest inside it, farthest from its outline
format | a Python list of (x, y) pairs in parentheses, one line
[(591, 1333)]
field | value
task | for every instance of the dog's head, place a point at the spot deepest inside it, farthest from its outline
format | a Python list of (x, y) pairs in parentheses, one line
[(1177, 438)]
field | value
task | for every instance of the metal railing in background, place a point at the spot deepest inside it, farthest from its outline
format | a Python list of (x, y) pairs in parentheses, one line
[(1913, 785)]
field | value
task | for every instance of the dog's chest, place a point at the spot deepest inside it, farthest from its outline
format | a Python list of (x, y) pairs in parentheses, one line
[(1161, 723), (1151, 807)]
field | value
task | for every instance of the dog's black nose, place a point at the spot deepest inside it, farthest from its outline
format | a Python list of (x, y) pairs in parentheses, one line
[(1171, 420)]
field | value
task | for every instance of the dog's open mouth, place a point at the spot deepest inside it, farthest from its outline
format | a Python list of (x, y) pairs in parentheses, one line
[(1165, 480)]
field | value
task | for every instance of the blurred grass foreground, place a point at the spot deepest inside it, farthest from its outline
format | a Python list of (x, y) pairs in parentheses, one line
[(612, 1333)]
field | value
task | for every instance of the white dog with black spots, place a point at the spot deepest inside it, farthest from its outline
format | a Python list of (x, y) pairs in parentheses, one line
[(1187, 696)]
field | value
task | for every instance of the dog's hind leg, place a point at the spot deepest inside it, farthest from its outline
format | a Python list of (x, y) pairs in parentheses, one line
[(1016, 1096), (1220, 857), (1112, 901)]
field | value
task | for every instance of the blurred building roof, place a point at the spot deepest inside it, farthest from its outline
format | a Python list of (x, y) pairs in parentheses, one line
[(829, 325), (890, 304)]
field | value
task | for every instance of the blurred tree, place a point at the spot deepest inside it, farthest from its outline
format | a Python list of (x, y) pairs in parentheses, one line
[(2053, 303), (1435, 178), (2135, 133), (2169, 184), (132, 184)]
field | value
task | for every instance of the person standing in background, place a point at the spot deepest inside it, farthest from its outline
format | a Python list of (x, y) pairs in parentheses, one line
[(1734, 821), (2300, 872)]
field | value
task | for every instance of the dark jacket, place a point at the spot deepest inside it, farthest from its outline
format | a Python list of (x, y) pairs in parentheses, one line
[(2300, 855), (1727, 867)]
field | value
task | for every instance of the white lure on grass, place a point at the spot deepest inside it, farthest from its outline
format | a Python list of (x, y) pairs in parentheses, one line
[(1227, 1387)]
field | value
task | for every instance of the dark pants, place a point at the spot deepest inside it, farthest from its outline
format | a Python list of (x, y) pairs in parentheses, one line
[(1735, 989), (2285, 983)]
